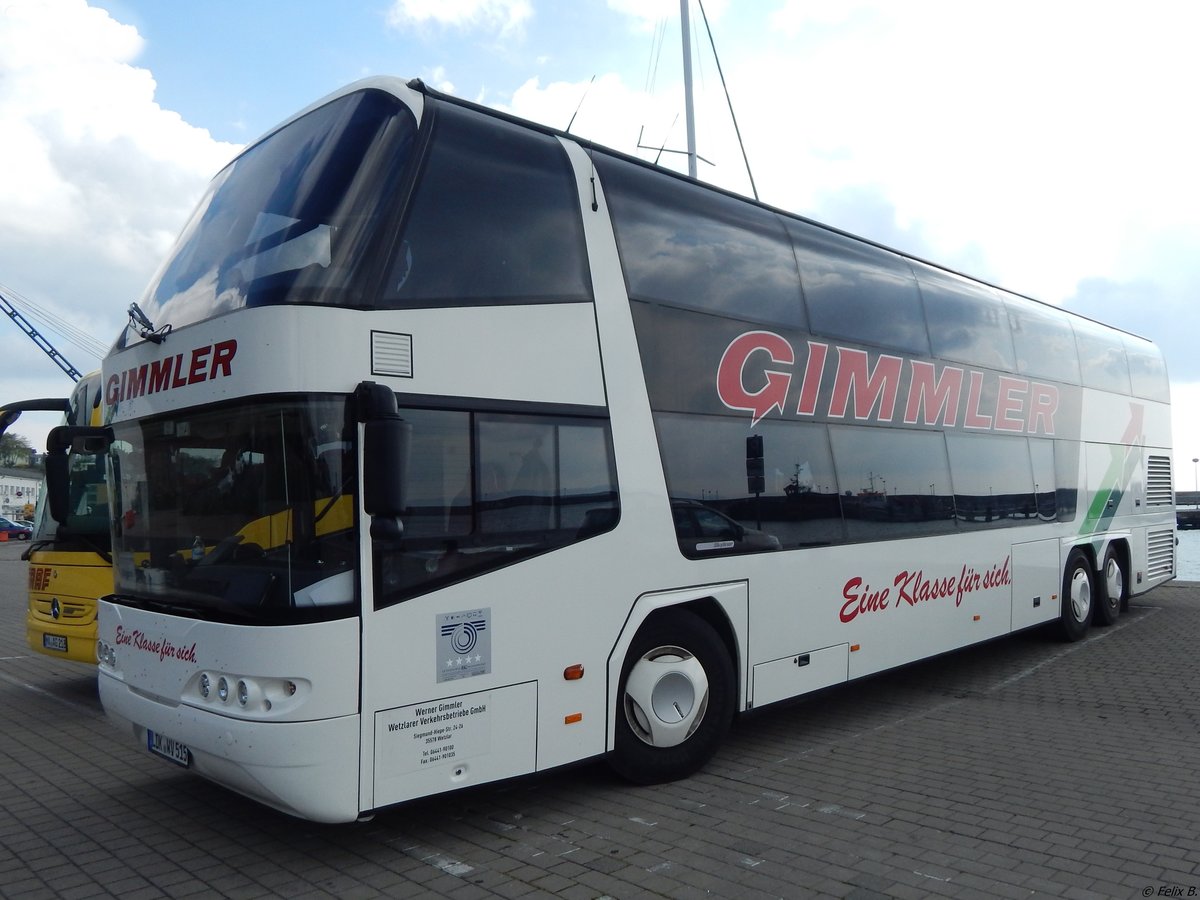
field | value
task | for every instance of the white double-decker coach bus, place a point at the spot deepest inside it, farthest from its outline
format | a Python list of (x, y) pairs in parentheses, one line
[(450, 448)]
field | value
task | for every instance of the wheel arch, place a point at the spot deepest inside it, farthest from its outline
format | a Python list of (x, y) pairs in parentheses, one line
[(1088, 548), (724, 607), (1096, 550)]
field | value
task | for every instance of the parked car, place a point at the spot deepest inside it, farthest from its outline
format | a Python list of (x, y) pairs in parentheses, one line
[(15, 531)]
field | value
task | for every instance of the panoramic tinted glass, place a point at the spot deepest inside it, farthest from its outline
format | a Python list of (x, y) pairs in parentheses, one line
[(495, 218), (1147, 371), (1043, 340), (1102, 362), (894, 482), (705, 462), (687, 245), (1041, 455), (993, 480), (967, 321), (292, 218), (486, 490), (857, 291)]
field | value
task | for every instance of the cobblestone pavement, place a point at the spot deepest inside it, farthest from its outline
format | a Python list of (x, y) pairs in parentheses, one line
[(1021, 768)]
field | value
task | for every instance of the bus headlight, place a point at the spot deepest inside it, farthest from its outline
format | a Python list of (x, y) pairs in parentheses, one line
[(255, 695), (106, 654)]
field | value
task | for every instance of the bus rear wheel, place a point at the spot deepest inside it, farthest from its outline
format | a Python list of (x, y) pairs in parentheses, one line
[(1078, 594), (675, 702), (1115, 595)]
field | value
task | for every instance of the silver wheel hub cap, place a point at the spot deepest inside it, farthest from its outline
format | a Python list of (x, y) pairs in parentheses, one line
[(1115, 581), (666, 695), (1081, 595)]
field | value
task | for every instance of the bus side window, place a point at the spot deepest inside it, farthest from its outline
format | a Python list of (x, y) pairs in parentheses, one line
[(487, 490), (683, 245), (967, 321), (848, 283), (495, 218), (1147, 371), (1043, 340), (1102, 361)]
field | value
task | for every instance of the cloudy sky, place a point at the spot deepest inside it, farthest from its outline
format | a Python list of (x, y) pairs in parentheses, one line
[(1047, 146)]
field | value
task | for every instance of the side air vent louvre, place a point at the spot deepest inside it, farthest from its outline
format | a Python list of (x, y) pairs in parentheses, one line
[(1158, 481)]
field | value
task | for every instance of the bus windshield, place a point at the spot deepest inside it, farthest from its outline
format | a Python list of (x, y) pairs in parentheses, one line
[(239, 513), (293, 219)]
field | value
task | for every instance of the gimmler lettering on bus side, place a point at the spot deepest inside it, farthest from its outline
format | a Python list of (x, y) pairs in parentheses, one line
[(758, 369)]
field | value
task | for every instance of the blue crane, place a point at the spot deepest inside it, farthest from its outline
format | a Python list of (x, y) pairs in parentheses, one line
[(34, 335)]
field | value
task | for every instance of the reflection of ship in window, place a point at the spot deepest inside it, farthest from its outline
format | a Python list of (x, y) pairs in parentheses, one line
[(801, 481)]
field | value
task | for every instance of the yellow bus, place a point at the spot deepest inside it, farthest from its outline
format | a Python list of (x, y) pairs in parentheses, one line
[(70, 564)]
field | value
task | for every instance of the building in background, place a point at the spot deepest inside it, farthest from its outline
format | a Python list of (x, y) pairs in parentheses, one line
[(19, 491)]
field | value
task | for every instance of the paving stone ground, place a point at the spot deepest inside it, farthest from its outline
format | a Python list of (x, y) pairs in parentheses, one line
[(1023, 768)]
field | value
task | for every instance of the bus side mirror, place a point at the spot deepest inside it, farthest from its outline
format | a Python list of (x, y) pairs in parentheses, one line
[(60, 442), (58, 482), (386, 439), (7, 417)]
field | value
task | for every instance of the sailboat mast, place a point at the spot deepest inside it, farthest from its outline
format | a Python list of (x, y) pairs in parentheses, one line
[(690, 113)]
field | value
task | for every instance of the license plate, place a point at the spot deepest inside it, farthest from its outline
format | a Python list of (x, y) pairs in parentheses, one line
[(54, 642), (168, 748)]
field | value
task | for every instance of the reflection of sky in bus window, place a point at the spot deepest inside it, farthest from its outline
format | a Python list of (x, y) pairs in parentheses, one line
[(1147, 371), (1102, 357), (987, 464), (495, 215), (967, 321), (856, 291), (704, 456), (1043, 340), (681, 244)]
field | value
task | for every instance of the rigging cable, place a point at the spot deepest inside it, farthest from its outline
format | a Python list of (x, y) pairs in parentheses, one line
[(728, 101), (81, 339)]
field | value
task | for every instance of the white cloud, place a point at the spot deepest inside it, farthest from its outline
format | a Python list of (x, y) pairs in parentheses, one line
[(438, 80), (505, 15), (995, 128), (95, 177)]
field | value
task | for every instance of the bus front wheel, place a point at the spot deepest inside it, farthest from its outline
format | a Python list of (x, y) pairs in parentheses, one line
[(676, 699), (1078, 594), (1115, 596)]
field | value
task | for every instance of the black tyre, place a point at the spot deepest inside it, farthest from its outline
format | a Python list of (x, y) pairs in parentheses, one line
[(676, 699), (1114, 588), (1078, 597)]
